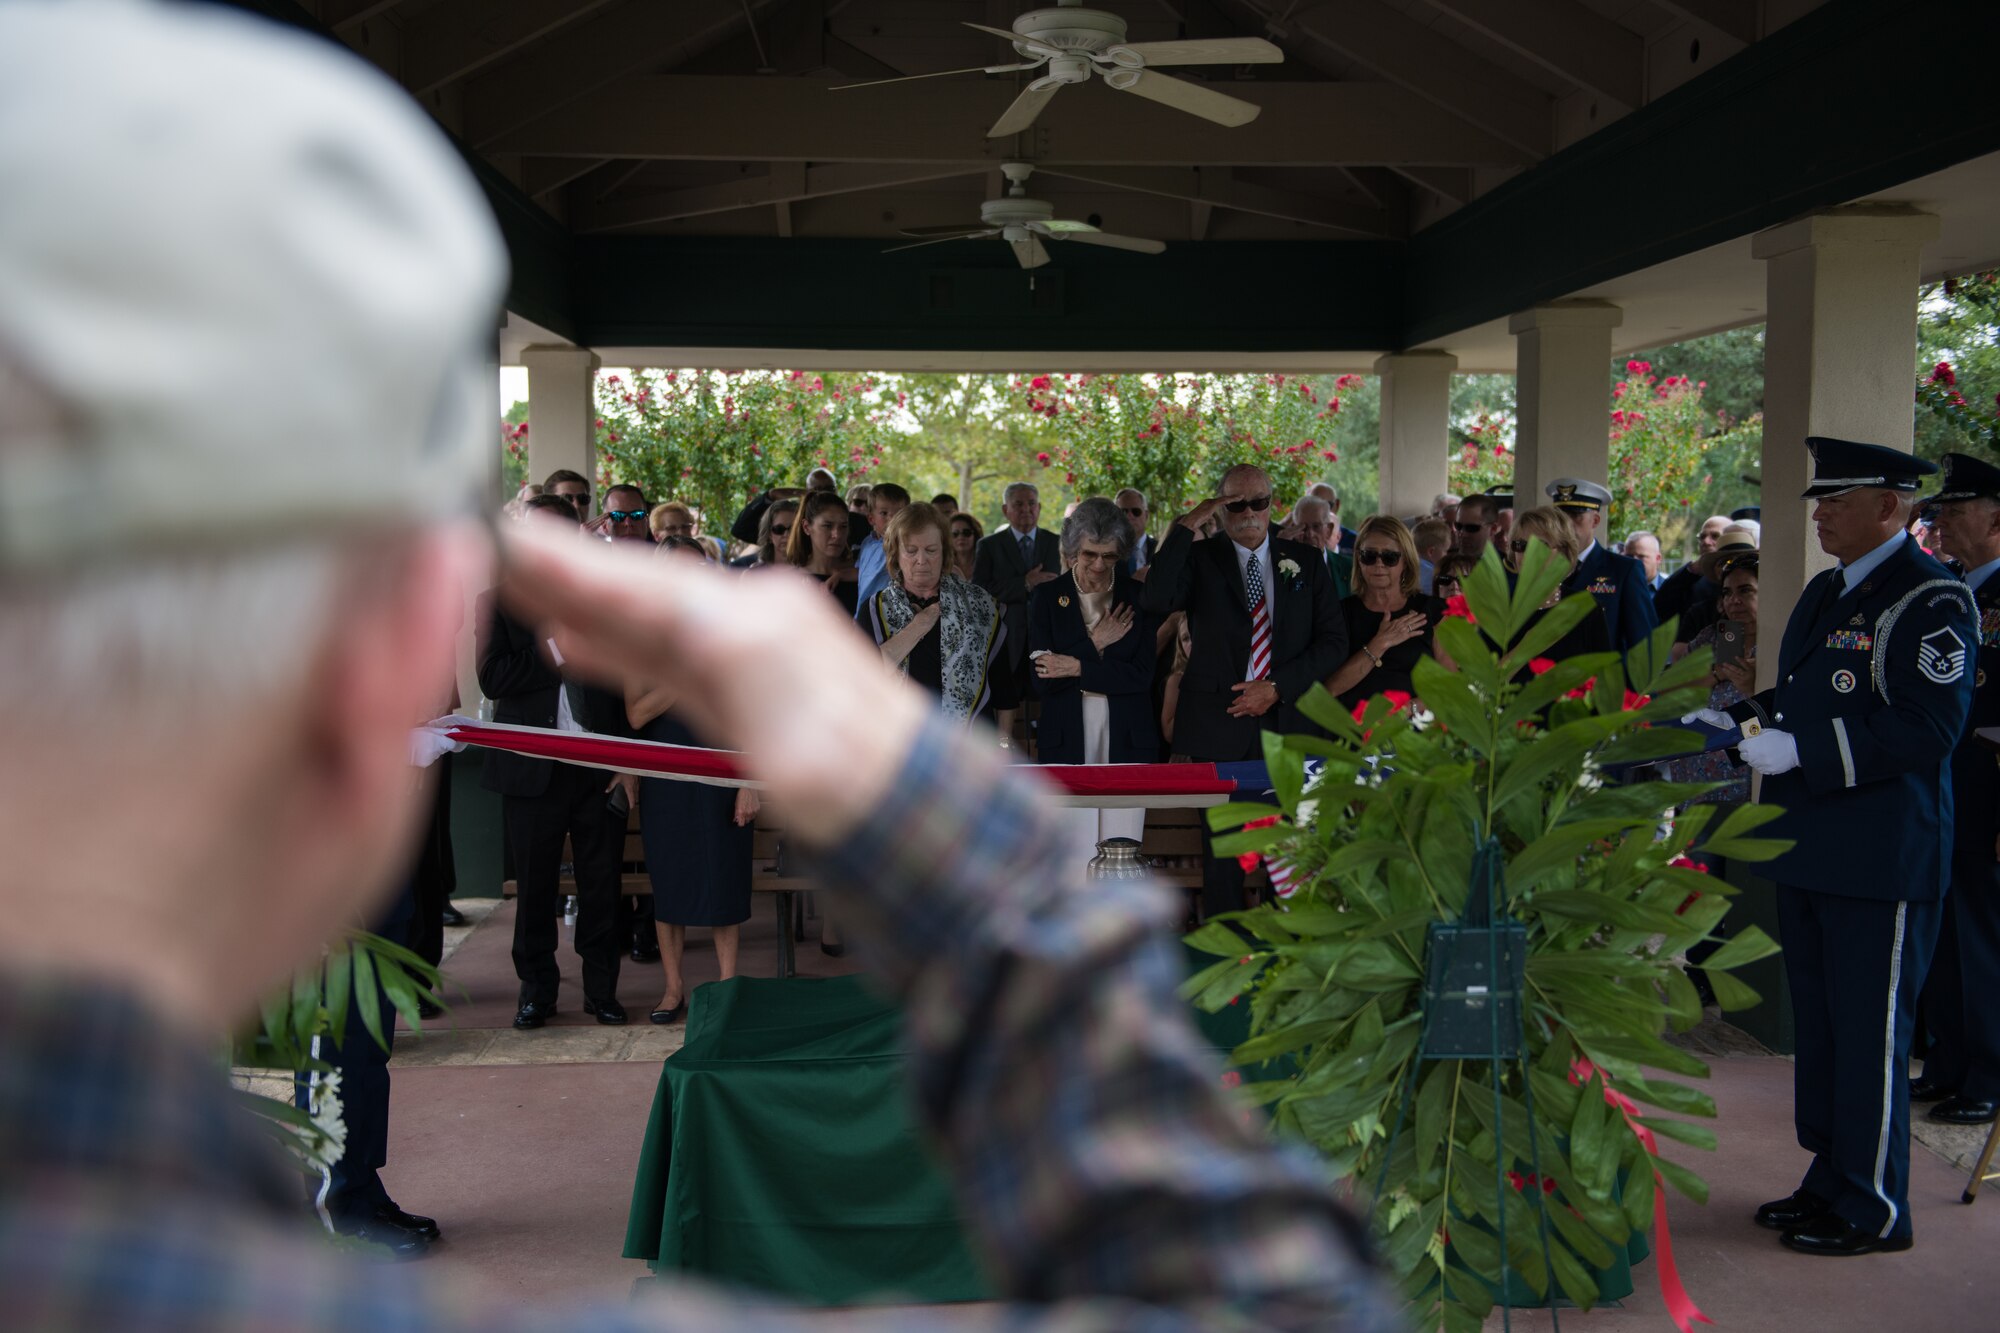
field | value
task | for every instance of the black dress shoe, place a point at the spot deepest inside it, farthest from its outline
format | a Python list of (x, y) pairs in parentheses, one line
[(534, 1013), (1835, 1235), (608, 1012), (1797, 1209), (1925, 1089), (1963, 1111), (645, 952), (670, 1015), (400, 1243), (452, 916), (429, 1009), (392, 1216)]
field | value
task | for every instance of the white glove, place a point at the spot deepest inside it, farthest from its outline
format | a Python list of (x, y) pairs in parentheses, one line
[(1770, 752), (427, 744), (1712, 718)]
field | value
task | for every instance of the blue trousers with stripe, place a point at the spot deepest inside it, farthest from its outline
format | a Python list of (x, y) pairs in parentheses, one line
[(1855, 967)]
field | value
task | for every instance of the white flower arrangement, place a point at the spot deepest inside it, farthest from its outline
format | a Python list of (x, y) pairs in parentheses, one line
[(1289, 567)]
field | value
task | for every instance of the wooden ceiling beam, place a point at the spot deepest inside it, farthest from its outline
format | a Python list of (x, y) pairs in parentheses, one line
[(1735, 19), (458, 38), (546, 175), (1451, 184), (766, 120), (1218, 189), (787, 183), (1414, 56), (1565, 37), (584, 57)]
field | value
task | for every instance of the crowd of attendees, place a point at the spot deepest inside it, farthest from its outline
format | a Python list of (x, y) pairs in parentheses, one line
[(1105, 639)]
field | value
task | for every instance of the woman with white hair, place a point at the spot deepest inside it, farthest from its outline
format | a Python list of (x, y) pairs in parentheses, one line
[(1092, 654)]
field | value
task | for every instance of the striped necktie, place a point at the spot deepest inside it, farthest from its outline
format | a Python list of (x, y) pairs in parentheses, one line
[(1260, 619)]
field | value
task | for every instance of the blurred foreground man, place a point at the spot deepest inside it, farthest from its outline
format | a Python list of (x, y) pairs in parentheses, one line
[(210, 672), (1855, 744)]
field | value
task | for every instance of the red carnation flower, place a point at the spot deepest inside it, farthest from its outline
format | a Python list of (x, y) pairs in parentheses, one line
[(1266, 822), (1540, 664), (1456, 605)]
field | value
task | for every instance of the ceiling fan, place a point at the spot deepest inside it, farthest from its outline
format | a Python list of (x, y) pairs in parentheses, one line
[(1075, 42), (1024, 224)]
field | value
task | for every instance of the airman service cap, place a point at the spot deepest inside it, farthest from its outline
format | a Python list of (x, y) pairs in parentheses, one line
[(248, 290), (1569, 493), (1843, 465), (1967, 478)]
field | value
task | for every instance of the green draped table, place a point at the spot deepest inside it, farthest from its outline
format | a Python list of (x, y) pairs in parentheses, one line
[(782, 1153)]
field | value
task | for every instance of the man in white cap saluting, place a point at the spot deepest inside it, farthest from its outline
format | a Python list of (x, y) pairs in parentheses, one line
[(242, 280), (1618, 583), (1855, 744)]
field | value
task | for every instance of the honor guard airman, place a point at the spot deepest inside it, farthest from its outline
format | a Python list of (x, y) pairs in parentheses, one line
[(1962, 1068), (1874, 682), (1617, 582)]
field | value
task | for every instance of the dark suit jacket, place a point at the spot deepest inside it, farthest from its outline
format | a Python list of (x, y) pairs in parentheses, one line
[(515, 674), (1123, 674), (1308, 638), (1618, 582), (1975, 776), (998, 568)]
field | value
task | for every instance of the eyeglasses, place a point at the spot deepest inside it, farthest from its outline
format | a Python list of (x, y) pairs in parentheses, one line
[(1470, 527), (624, 515), (1140, 512), (1260, 504), (1389, 558)]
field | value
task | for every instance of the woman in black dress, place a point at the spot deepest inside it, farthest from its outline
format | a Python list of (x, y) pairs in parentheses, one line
[(1390, 622), (818, 545), (697, 840)]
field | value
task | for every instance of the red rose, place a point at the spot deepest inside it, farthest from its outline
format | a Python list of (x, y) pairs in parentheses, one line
[(1043, 459), (1039, 382)]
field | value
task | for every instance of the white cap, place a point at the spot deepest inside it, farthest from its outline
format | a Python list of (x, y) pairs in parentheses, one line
[(258, 284)]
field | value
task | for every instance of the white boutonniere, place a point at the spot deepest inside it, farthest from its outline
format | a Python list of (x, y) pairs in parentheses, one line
[(1289, 567)]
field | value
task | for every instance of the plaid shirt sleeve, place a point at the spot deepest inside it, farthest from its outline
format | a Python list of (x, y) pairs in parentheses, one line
[(1083, 1119)]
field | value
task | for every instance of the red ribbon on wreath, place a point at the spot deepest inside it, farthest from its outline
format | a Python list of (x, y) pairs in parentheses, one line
[(1680, 1306)]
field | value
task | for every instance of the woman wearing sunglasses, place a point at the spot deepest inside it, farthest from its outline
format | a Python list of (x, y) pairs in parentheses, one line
[(1390, 621)]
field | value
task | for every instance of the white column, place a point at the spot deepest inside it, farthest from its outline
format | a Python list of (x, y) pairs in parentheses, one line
[(561, 410), (1562, 409), (1416, 429), (1839, 360)]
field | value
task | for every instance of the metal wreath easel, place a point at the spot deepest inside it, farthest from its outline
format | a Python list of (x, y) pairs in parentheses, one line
[(1475, 980)]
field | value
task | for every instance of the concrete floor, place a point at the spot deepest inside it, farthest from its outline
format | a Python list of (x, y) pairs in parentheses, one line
[(523, 1145)]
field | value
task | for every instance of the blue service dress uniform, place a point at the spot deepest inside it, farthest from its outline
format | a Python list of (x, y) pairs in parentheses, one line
[(1618, 583), (1874, 685), (1961, 1008)]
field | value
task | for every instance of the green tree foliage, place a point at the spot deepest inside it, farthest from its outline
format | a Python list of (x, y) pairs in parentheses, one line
[(1381, 844), (1958, 367)]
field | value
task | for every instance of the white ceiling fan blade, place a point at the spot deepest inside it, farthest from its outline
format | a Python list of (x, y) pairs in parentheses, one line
[(1181, 95), (1041, 49), (1022, 112), (1092, 236), (1030, 252), (1215, 51), (1058, 227), (962, 236), (912, 78), (926, 232)]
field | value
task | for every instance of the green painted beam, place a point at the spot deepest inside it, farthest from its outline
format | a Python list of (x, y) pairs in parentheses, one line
[(1241, 296), (1851, 99)]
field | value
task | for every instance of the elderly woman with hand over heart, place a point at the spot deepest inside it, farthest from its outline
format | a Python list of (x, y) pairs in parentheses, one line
[(937, 629), (1092, 654)]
